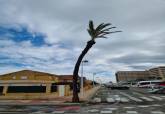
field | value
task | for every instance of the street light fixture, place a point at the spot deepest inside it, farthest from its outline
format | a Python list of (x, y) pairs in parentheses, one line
[(82, 81), (94, 76)]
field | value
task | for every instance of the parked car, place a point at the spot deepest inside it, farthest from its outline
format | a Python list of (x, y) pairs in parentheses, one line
[(160, 90), (148, 84)]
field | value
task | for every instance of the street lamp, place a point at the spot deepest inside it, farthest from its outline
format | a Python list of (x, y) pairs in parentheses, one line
[(99, 80), (93, 79), (94, 76), (82, 81)]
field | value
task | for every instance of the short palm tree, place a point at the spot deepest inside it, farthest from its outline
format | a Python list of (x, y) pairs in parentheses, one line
[(99, 32)]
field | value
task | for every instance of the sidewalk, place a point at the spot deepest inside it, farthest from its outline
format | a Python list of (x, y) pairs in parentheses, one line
[(54, 101)]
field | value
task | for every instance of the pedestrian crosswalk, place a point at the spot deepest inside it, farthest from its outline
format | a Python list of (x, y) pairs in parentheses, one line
[(125, 98)]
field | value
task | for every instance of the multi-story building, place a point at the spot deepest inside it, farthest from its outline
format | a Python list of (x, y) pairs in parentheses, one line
[(131, 75), (157, 72), (153, 73)]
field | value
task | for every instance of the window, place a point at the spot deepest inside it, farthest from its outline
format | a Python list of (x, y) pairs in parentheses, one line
[(53, 88), (26, 89), (23, 77), (14, 77)]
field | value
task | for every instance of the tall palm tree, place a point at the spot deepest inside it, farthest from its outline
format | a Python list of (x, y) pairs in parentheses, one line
[(99, 32)]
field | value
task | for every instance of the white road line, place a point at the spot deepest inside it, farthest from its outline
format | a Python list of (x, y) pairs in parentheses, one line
[(97, 100), (110, 100), (147, 99), (131, 112), (106, 112), (93, 111), (163, 96), (157, 112), (143, 106), (138, 93), (38, 112), (110, 109), (124, 100), (156, 105), (130, 97), (117, 98), (129, 107), (57, 112), (157, 98)]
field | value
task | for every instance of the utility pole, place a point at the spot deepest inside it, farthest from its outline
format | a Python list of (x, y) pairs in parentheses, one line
[(82, 80)]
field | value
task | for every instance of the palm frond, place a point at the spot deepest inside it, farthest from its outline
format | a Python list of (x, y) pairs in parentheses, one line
[(100, 31)]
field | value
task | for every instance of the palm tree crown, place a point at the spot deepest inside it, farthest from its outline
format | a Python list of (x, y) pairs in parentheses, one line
[(100, 31)]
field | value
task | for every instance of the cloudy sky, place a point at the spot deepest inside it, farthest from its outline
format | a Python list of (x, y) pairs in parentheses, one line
[(49, 35)]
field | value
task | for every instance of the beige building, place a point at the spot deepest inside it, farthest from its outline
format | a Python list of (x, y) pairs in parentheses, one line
[(153, 73), (157, 72), (131, 75), (28, 83)]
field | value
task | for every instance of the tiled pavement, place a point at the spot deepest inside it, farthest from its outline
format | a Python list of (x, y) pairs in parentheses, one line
[(104, 102), (94, 109)]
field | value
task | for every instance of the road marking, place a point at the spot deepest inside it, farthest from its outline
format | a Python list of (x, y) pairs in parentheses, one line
[(124, 100), (157, 112), (110, 109), (147, 99), (93, 111), (156, 105), (58, 112), (157, 98), (38, 112), (130, 97), (143, 106), (163, 96), (138, 93), (131, 112), (97, 100), (106, 112), (129, 107), (117, 98), (13, 112), (110, 100)]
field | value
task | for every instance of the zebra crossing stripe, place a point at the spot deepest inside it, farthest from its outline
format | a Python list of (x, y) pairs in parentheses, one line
[(157, 98), (106, 112), (130, 97), (147, 99), (38, 112), (97, 100), (131, 112), (143, 106), (157, 112), (124, 100), (93, 111), (138, 93), (57, 112), (163, 96), (110, 100), (129, 107), (110, 108), (156, 105)]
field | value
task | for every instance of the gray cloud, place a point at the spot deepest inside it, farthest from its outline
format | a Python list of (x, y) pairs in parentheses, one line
[(139, 46)]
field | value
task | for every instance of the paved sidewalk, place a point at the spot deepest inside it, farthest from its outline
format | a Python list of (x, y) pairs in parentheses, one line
[(53, 101)]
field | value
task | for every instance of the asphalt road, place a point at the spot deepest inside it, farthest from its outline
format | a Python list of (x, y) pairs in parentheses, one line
[(105, 101)]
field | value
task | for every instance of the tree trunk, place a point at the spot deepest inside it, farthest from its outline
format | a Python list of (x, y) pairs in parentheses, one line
[(76, 70)]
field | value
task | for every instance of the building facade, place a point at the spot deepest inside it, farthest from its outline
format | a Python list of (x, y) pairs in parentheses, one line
[(27, 83), (157, 73), (131, 75)]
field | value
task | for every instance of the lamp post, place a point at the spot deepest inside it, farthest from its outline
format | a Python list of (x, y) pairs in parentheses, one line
[(99, 80), (82, 80), (93, 79)]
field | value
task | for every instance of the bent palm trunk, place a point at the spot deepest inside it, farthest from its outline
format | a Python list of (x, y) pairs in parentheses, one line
[(76, 70)]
